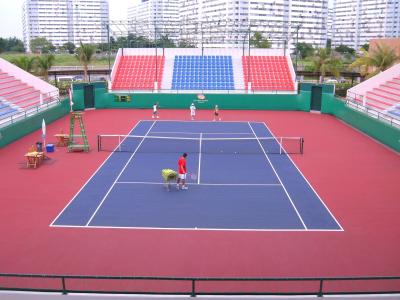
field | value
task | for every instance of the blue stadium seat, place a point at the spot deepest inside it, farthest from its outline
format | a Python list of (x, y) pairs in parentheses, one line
[(203, 72)]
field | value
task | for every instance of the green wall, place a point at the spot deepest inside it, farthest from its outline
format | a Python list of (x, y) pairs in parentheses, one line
[(103, 99), (15, 131), (379, 130)]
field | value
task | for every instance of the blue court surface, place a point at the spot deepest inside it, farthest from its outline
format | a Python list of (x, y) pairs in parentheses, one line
[(240, 185)]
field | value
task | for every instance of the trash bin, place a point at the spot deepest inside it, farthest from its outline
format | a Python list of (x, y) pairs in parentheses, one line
[(39, 147), (50, 148)]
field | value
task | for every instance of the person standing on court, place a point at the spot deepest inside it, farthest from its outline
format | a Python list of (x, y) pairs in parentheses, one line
[(192, 111), (155, 110), (216, 114), (181, 182)]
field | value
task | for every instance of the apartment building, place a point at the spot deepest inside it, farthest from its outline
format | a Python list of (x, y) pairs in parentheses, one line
[(358, 21), (62, 21)]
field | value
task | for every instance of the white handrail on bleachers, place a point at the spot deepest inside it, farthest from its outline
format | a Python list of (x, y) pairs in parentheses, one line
[(368, 85), (23, 114)]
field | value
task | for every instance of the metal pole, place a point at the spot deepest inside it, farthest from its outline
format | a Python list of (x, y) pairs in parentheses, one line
[(248, 61), (297, 45), (109, 50), (155, 43)]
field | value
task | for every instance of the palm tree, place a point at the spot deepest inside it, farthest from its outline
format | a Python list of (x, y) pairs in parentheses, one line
[(325, 60), (380, 59), (44, 64), (84, 54), (26, 63)]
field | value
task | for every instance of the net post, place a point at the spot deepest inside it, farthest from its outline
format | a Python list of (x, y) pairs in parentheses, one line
[(119, 143), (301, 145), (280, 145), (98, 143)]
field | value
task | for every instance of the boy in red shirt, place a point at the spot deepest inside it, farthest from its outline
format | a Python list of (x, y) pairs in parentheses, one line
[(181, 182)]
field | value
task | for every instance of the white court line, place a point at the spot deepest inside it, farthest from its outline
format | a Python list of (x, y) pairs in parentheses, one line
[(119, 175), (181, 132), (210, 121), (198, 170), (320, 199), (196, 229), (283, 186), (95, 172), (216, 184)]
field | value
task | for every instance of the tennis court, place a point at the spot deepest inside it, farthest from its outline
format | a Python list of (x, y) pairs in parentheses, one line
[(245, 180)]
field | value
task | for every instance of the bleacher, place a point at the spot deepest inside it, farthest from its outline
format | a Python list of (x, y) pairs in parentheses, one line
[(267, 73), (18, 93), (386, 97), (22, 94), (380, 93), (194, 69), (138, 72), (203, 73)]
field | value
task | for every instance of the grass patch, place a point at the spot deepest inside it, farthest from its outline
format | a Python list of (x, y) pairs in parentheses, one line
[(63, 59)]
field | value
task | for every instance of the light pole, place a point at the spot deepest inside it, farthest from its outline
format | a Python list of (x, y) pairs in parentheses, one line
[(297, 44)]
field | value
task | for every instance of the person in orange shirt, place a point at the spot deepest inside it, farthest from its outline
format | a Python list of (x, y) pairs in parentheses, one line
[(181, 182)]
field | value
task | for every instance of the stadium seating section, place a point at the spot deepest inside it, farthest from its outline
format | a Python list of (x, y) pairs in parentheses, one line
[(138, 72), (16, 95), (203, 73), (267, 73), (385, 97), (186, 69)]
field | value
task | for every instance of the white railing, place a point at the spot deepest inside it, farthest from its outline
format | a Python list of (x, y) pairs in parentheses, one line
[(355, 101), (53, 99)]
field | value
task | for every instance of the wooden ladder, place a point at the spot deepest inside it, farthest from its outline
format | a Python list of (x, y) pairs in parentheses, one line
[(77, 142)]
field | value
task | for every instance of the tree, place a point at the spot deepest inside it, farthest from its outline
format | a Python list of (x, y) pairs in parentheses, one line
[(258, 41), (185, 43), (15, 45), (324, 61), (343, 49), (44, 64), (379, 60), (70, 47), (3, 45), (329, 43), (165, 42), (84, 54), (365, 47), (26, 63), (41, 45), (305, 50)]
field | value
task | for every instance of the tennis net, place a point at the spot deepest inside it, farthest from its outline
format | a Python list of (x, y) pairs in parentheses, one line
[(228, 145)]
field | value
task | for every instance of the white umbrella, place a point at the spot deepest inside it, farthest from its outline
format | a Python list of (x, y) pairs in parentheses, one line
[(44, 132)]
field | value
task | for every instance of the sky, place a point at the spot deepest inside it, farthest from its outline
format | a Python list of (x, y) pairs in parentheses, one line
[(11, 15)]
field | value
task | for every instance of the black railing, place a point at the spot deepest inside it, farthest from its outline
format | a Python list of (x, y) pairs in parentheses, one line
[(194, 286)]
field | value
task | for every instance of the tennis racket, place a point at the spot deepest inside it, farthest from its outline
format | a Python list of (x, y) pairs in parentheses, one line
[(193, 176)]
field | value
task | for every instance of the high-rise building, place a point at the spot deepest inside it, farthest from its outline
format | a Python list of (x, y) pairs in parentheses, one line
[(65, 21), (358, 21), (155, 18), (230, 22)]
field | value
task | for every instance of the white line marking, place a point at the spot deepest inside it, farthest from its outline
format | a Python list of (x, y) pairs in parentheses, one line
[(119, 175), (95, 172), (320, 199), (210, 121), (181, 132), (198, 228), (198, 170), (283, 186), (216, 184)]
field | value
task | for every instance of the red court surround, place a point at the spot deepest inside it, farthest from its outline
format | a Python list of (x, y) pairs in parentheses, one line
[(357, 178)]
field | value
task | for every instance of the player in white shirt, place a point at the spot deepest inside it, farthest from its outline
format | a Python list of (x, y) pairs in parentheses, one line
[(192, 111), (155, 112)]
